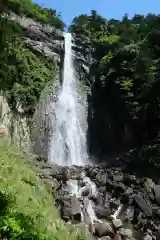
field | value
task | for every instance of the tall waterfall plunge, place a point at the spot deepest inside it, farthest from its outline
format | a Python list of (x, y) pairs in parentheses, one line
[(68, 143)]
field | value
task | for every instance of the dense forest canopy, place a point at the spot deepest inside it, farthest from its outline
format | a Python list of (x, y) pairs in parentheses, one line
[(124, 75)]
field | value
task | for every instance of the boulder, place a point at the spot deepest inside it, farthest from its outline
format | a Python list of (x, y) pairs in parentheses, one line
[(117, 223), (146, 209), (92, 172), (127, 197), (110, 186), (156, 212), (149, 186), (129, 179), (66, 210), (117, 178), (103, 229), (157, 193), (117, 237), (119, 188), (129, 191), (114, 204), (102, 212), (147, 237), (97, 199), (126, 233), (106, 200), (75, 209), (66, 175), (157, 235), (129, 213), (102, 189), (101, 179)]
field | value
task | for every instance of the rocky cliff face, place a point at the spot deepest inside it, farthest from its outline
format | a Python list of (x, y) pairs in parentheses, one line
[(43, 38), (49, 42), (44, 118), (14, 126)]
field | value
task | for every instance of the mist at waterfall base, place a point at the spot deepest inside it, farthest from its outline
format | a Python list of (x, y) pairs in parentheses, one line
[(68, 143)]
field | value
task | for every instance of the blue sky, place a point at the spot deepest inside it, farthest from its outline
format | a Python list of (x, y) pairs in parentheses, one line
[(108, 8)]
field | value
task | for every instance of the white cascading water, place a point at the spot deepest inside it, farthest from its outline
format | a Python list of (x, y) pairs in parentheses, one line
[(68, 144)]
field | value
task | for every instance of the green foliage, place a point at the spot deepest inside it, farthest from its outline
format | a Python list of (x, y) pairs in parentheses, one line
[(34, 11), (26, 207), (125, 68), (106, 59), (23, 74), (127, 85), (109, 39)]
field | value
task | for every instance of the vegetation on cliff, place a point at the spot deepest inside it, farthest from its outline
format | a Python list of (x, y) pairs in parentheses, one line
[(26, 204), (124, 78), (29, 9), (23, 72)]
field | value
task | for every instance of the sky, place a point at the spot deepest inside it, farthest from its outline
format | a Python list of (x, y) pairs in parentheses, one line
[(107, 8)]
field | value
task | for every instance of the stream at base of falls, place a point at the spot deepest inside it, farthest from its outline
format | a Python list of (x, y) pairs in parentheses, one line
[(106, 201)]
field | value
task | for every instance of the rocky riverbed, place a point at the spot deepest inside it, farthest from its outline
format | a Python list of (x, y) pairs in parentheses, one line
[(111, 204)]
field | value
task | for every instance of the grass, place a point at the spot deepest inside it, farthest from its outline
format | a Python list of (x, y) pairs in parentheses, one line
[(27, 209)]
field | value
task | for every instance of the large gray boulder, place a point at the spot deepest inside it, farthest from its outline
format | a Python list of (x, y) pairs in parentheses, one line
[(103, 229), (157, 193)]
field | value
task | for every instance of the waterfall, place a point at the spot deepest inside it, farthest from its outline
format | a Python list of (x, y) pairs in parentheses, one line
[(68, 143)]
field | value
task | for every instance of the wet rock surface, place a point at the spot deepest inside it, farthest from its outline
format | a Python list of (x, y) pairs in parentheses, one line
[(41, 37), (110, 203)]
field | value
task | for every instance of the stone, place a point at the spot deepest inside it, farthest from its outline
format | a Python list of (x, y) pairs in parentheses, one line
[(114, 204), (147, 237), (103, 229), (66, 210), (75, 208), (141, 220), (86, 191), (157, 235), (106, 200), (129, 191), (129, 179), (117, 237), (129, 213), (157, 193), (126, 233), (156, 212), (110, 186), (119, 188), (92, 172), (149, 184), (101, 178), (127, 196), (117, 178), (102, 189), (66, 174), (147, 210), (117, 223), (98, 199), (102, 212)]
